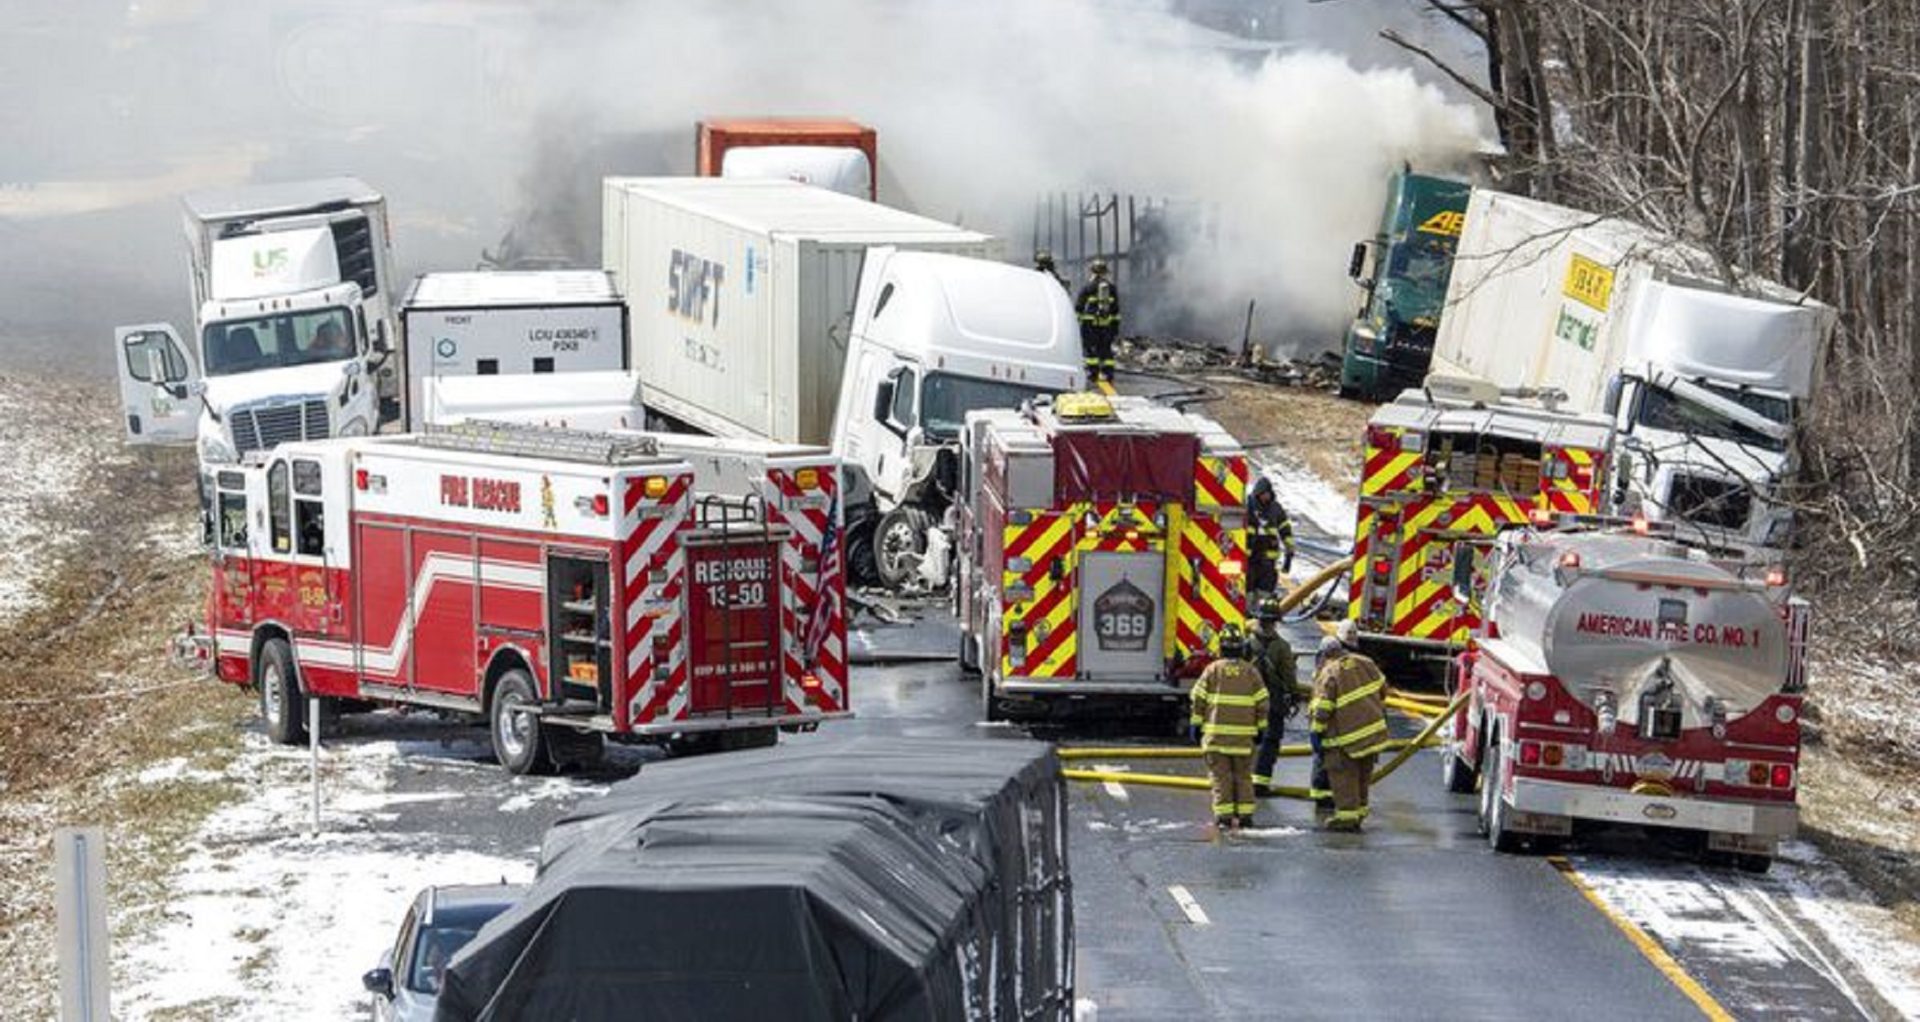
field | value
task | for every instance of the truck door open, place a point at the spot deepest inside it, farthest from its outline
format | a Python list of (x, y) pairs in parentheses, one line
[(733, 606), (582, 666), (158, 385)]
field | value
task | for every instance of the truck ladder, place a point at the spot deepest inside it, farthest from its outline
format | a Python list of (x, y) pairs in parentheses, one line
[(485, 436)]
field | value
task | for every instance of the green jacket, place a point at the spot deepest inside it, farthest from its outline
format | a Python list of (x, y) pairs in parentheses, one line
[(1278, 671)]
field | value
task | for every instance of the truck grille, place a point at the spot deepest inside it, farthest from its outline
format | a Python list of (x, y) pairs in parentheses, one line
[(1710, 501), (259, 429)]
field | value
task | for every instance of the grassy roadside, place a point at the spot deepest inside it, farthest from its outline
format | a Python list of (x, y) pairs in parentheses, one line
[(93, 704)]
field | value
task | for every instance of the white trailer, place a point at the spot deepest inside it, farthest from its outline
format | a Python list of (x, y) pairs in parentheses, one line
[(510, 323), (1705, 385), (741, 294)]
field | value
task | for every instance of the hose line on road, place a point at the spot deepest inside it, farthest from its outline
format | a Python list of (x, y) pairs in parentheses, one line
[(1405, 748), (1314, 583)]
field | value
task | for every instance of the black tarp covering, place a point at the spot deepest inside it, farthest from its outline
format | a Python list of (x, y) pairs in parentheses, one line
[(872, 879), (1120, 466)]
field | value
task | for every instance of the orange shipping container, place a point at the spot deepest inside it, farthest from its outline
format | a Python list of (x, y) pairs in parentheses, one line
[(718, 135)]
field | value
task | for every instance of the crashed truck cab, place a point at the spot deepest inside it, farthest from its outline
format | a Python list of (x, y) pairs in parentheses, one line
[(1626, 675), (1101, 544), (565, 585)]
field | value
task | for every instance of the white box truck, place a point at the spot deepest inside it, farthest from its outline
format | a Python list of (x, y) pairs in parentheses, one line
[(293, 328), (509, 323), (743, 296), (1706, 385)]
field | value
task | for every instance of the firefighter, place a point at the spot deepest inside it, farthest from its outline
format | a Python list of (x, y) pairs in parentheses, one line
[(1043, 261), (1270, 540), (1229, 716), (1099, 309), (1349, 713), (1274, 658)]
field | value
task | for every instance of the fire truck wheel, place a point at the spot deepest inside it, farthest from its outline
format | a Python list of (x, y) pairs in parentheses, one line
[(898, 542), (989, 706), (281, 705), (519, 742), (1459, 778), (969, 655), (1493, 808)]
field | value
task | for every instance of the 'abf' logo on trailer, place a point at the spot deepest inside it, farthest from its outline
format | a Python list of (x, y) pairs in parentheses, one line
[(1123, 618)]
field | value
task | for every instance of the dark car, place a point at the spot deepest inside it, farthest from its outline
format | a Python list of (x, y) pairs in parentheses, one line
[(438, 924)]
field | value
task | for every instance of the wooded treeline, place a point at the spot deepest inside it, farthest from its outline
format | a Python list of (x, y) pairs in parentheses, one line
[(1783, 136)]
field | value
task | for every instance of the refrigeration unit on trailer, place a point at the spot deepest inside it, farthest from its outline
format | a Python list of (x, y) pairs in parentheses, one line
[(565, 585), (1102, 548), (1706, 384), (832, 153), (510, 323), (294, 336), (1445, 469), (1626, 676)]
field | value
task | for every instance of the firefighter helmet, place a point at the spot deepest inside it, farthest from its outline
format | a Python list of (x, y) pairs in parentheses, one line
[(1233, 643), (1098, 267), (1348, 634), (1269, 611), (1043, 260)]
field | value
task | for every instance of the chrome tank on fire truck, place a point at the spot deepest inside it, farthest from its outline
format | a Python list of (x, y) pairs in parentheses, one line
[(1626, 676)]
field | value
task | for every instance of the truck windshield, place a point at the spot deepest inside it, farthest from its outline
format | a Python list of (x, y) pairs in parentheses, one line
[(1424, 266), (1664, 410), (946, 399), (279, 340)]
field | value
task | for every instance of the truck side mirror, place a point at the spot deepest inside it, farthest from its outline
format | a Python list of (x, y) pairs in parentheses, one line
[(378, 981), (883, 398), (1358, 260)]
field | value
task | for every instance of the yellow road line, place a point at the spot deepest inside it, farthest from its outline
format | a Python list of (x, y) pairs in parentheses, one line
[(1106, 387), (1647, 946)]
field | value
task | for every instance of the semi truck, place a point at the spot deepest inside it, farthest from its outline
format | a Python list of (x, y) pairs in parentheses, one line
[(1389, 345), (1627, 676), (293, 333), (566, 586), (833, 153), (509, 323), (1706, 384), (1102, 549), (775, 310), (1446, 467)]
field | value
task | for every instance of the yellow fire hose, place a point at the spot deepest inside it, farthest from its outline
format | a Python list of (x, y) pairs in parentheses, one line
[(1406, 749)]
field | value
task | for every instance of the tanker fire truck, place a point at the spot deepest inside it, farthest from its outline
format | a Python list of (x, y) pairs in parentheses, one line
[(565, 585), (1623, 676), (1102, 547), (1446, 468)]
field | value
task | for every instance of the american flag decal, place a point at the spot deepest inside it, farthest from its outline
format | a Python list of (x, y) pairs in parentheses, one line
[(820, 621)]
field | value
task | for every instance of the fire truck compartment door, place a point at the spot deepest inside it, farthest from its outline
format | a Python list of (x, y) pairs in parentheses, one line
[(1121, 619), (734, 636), (159, 385)]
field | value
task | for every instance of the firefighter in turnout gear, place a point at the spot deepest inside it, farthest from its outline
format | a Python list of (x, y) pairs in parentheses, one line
[(1099, 309), (1230, 715), (1269, 540), (1273, 655), (1043, 261), (1349, 711)]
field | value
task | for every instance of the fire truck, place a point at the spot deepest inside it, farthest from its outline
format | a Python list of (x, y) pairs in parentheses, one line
[(1447, 467), (1101, 543), (567, 586), (1624, 675)]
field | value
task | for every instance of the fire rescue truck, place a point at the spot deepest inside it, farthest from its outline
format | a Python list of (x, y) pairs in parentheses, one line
[(1102, 547), (1625, 676), (1447, 467), (565, 585)]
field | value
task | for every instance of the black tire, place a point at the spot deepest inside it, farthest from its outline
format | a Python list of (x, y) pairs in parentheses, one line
[(969, 654), (989, 706), (1755, 863), (694, 743), (749, 738), (898, 542), (1493, 809), (519, 740), (861, 569), (281, 704), (1459, 778), (572, 749)]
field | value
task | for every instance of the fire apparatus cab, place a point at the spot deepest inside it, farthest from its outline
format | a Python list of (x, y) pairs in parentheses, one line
[(1446, 468), (1102, 547), (565, 585), (1624, 675)]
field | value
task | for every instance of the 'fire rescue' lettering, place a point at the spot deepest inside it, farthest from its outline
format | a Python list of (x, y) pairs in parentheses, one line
[(480, 494)]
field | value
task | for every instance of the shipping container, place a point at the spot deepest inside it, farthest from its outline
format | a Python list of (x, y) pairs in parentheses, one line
[(741, 294), (806, 140), (510, 323)]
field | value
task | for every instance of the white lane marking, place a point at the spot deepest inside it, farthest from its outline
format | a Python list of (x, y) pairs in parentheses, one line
[(1114, 788), (1195, 914)]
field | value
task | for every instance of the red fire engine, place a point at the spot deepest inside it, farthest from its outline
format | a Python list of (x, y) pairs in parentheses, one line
[(1623, 676), (1102, 546), (1446, 468), (565, 585)]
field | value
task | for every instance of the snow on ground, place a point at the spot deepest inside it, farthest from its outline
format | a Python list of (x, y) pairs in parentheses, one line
[(1808, 910), (43, 465), (1306, 495), (280, 921)]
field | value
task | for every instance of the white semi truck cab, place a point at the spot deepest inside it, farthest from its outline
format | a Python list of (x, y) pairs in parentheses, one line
[(293, 335)]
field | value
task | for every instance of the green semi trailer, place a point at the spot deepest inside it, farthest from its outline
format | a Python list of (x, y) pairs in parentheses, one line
[(1391, 340)]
